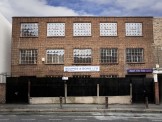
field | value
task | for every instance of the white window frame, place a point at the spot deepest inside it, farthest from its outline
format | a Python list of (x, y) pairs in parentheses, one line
[(134, 55), (81, 29), (133, 29), (57, 56), (109, 55), (28, 56), (82, 56), (29, 30), (55, 29), (108, 29)]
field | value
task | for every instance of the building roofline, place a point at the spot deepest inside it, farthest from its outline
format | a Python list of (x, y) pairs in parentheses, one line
[(82, 17)]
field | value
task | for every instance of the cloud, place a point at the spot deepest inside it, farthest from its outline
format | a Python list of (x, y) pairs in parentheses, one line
[(11, 8), (128, 7)]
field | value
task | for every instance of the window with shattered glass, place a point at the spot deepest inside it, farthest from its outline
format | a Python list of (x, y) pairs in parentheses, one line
[(55, 56), (82, 55), (29, 30)]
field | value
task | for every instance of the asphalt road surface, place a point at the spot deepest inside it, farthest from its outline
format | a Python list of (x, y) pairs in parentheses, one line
[(80, 117)]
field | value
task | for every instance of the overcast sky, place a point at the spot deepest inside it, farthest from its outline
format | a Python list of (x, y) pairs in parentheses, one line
[(10, 8)]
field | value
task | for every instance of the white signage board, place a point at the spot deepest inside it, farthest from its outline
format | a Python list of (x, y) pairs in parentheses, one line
[(81, 68), (65, 78)]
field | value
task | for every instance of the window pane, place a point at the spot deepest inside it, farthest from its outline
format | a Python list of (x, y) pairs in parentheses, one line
[(82, 55), (55, 29), (28, 56), (55, 56), (81, 29), (29, 30), (108, 55), (108, 29), (133, 29), (134, 55)]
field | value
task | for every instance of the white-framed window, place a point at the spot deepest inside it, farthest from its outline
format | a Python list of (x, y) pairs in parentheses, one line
[(108, 55), (81, 29), (108, 29), (55, 29), (29, 30), (134, 55), (133, 29), (28, 56), (55, 56), (82, 55)]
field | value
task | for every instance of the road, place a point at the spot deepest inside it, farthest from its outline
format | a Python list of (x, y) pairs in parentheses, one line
[(80, 117)]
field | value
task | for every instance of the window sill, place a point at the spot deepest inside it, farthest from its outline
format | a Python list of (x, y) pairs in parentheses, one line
[(55, 36), (135, 62), (53, 64), (109, 63), (27, 64), (133, 36), (28, 36), (81, 64), (108, 36)]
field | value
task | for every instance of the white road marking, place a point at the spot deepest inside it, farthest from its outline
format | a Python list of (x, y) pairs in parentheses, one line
[(55, 119), (4, 119), (157, 120), (80, 119), (27, 119), (76, 116)]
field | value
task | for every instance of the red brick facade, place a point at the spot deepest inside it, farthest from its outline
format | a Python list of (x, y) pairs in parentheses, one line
[(69, 42)]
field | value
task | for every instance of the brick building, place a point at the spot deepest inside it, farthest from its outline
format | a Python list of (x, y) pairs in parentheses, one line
[(157, 32), (60, 46), (82, 47)]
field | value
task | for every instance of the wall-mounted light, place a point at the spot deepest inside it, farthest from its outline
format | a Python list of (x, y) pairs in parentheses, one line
[(43, 59)]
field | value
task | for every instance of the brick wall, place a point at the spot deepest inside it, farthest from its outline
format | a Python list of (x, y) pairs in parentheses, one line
[(157, 29), (3, 92), (68, 43)]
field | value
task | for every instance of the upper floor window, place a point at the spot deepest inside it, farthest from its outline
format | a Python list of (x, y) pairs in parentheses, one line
[(29, 30), (55, 29), (133, 29), (108, 29), (82, 55), (55, 56), (81, 29), (28, 56), (134, 55), (108, 55)]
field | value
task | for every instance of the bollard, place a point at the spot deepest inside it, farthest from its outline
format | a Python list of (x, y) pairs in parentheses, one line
[(146, 102), (61, 102), (106, 102)]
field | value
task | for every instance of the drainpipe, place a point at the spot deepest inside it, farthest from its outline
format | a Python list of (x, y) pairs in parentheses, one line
[(156, 86)]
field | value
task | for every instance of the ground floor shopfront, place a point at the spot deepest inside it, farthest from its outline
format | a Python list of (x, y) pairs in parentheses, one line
[(35, 90)]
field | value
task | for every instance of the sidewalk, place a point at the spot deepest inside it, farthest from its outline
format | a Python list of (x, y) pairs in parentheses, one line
[(135, 108)]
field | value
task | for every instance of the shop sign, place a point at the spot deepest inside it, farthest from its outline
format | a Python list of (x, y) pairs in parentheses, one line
[(81, 68), (140, 70)]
